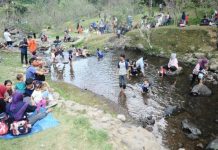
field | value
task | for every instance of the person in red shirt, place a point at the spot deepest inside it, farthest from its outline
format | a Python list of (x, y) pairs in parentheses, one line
[(32, 45), (3, 93), (187, 19)]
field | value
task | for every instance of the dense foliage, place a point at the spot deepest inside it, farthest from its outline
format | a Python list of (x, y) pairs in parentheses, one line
[(37, 14)]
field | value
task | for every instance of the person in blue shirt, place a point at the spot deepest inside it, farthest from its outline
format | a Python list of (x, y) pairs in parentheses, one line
[(99, 54), (23, 49), (30, 87), (31, 71), (145, 86)]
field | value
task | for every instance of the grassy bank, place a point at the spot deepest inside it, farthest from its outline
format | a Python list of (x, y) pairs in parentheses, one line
[(173, 39), (72, 133)]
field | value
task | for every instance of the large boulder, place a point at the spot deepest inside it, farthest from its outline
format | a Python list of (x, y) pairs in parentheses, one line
[(213, 145), (214, 64), (147, 121), (171, 110), (201, 90), (190, 129)]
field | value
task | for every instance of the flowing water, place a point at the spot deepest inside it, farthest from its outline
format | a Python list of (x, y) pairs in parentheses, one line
[(101, 77)]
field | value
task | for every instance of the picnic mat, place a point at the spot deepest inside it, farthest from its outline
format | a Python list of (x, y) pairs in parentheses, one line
[(48, 122)]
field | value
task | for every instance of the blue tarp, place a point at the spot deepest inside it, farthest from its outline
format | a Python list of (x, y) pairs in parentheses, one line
[(48, 122)]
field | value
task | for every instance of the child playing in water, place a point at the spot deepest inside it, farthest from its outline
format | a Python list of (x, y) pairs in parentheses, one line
[(20, 86), (133, 71), (123, 66), (70, 52), (99, 54), (145, 86)]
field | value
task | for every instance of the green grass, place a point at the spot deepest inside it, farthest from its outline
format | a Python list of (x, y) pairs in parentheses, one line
[(97, 41), (72, 133), (80, 96), (173, 39)]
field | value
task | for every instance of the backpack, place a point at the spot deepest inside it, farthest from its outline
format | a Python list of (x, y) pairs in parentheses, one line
[(20, 128), (3, 125)]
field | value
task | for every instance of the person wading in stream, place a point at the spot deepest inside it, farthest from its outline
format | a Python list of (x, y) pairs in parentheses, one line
[(123, 68)]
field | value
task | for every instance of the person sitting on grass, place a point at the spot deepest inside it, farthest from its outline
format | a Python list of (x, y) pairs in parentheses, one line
[(30, 87), (9, 86), (18, 110), (4, 97), (44, 38), (37, 98), (20, 85), (205, 21), (31, 71)]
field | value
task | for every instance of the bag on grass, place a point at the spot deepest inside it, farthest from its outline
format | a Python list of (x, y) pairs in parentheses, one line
[(3, 128), (3, 125), (20, 128)]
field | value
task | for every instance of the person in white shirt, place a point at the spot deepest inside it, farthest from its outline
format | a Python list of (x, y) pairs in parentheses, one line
[(123, 66), (141, 65), (7, 37)]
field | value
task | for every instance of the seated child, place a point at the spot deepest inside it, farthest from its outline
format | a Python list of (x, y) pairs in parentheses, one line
[(145, 86), (20, 85), (37, 96), (29, 87)]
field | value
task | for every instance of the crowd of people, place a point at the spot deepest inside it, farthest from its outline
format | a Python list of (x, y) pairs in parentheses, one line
[(127, 69), (210, 21), (30, 99)]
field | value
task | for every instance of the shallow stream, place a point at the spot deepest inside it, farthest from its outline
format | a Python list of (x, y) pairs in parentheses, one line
[(101, 78)]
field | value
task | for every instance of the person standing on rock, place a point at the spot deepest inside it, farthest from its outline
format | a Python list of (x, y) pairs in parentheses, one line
[(123, 66)]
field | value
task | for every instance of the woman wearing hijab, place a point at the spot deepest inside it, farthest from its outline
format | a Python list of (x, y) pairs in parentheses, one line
[(17, 110), (172, 64), (201, 65)]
